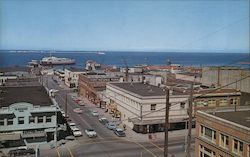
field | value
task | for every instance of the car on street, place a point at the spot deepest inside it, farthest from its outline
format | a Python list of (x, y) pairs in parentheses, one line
[(77, 110), (21, 151), (119, 132), (103, 120), (72, 125), (81, 103), (76, 132), (2, 154), (111, 125), (91, 133), (95, 113)]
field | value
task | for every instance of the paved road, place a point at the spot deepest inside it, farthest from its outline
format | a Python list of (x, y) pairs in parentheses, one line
[(107, 144)]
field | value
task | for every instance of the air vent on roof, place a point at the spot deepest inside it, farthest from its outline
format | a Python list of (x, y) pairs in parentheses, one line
[(248, 119), (151, 91)]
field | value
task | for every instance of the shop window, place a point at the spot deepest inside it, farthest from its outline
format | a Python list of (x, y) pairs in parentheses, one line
[(224, 141), (20, 120), (31, 119), (237, 147), (153, 107), (10, 122)]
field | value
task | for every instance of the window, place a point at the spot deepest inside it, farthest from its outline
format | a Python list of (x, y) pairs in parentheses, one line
[(223, 102), (208, 133), (48, 119), (153, 107), (10, 122), (224, 141), (237, 147), (211, 103), (1, 122), (233, 101), (248, 151), (31, 119), (20, 120), (182, 105), (40, 119), (206, 152)]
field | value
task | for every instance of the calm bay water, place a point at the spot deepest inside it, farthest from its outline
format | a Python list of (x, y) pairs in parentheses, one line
[(133, 58)]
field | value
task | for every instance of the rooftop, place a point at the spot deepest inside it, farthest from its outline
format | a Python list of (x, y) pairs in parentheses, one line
[(74, 69), (141, 89), (238, 117), (35, 95), (13, 69)]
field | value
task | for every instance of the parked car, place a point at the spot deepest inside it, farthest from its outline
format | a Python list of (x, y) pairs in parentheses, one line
[(77, 110), (119, 132), (111, 125), (95, 113), (72, 125), (81, 103), (90, 133), (103, 120), (76, 132), (21, 151), (2, 154)]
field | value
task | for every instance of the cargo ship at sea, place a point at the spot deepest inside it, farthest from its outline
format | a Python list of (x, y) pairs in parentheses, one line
[(56, 61)]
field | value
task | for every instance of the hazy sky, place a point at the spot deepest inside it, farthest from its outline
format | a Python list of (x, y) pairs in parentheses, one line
[(157, 25)]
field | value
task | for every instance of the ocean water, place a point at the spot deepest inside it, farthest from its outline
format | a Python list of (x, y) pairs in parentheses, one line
[(10, 58)]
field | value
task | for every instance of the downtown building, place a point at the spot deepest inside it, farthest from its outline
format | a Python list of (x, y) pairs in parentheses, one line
[(142, 106), (223, 134), (71, 76), (28, 116)]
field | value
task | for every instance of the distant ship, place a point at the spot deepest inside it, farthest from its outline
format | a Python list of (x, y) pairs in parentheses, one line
[(56, 61), (101, 53)]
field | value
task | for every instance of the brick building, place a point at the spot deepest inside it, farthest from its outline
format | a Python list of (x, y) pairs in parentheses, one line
[(223, 134), (92, 85)]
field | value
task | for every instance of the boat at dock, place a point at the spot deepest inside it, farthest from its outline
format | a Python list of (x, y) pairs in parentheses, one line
[(56, 61)]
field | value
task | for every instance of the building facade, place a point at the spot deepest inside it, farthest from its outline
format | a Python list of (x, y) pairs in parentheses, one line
[(222, 134), (220, 76), (72, 76), (90, 85), (28, 123), (142, 106)]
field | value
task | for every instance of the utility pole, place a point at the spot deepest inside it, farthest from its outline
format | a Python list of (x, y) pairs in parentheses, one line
[(66, 105), (190, 117), (166, 123)]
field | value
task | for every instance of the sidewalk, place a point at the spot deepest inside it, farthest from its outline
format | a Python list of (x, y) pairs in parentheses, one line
[(130, 134)]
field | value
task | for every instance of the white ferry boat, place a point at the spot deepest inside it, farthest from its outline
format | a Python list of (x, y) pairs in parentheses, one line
[(56, 61)]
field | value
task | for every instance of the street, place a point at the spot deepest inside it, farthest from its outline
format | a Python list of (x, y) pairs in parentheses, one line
[(106, 144)]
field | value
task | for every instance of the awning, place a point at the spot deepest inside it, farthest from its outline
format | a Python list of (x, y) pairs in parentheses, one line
[(30, 134), (10, 136), (137, 121)]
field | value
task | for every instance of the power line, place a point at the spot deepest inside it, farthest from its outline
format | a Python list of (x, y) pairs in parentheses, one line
[(177, 103)]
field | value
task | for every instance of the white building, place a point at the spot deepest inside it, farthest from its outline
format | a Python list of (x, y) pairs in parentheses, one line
[(142, 106), (72, 76), (28, 116)]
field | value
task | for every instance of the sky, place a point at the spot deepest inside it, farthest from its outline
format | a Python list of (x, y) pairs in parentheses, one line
[(129, 25)]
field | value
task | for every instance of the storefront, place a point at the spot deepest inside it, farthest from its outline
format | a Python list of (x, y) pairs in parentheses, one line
[(153, 126)]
